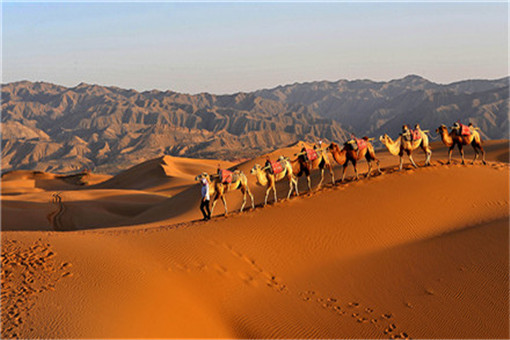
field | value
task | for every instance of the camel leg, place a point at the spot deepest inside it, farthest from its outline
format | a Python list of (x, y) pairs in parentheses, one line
[(224, 204), (354, 164), (244, 199), (461, 150), (412, 160), (290, 188), (401, 163), (274, 191), (332, 173), (268, 190), (322, 179), (378, 166), (343, 171), (309, 182), (483, 155), (215, 199), (476, 155), (427, 155), (450, 151), (251, 196), (369, 169)]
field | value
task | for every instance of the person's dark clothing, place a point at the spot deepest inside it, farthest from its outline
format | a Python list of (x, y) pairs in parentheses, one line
[(269, 166), (204, 207)]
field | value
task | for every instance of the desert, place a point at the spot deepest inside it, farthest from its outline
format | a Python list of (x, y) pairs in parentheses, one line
[(255, 170), (417, 253)]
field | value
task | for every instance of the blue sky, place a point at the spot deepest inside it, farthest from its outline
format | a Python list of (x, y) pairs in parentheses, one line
[(229, 47)]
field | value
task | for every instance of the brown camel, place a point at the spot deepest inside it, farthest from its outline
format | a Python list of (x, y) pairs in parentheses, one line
[(218, 189), (347, 154), (399, 146), (266, 178), (301, 165), (453, 138)]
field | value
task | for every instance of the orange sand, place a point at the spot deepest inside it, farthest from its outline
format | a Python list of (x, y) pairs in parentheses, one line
[(420, 253)]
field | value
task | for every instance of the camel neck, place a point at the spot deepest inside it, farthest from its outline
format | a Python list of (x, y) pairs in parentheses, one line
[(261, 177), (447, 139)]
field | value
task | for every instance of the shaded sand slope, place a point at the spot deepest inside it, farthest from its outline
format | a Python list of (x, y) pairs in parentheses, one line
[(26, 181), (167, 175), (420, 253)]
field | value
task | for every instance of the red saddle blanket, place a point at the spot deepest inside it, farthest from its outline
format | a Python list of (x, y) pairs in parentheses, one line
[(465, 130), (226, 176), (362, 144), (416, 134), (277, 167), (311, 154)]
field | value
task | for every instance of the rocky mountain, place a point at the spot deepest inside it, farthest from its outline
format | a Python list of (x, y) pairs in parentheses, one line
[(106, 129), (365, 107), (53, 128)]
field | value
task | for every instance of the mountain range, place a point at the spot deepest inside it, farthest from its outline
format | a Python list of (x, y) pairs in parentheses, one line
[(54, 128)]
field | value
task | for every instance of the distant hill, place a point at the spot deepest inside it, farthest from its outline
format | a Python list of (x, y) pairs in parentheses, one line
[(365, 107), (48, 127)]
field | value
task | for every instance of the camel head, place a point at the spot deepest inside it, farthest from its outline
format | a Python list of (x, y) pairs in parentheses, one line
[(384, 138), (202, 175), (333, 147), (256, 168), (441, 129)]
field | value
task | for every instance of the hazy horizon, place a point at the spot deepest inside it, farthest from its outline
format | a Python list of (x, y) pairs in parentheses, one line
[(264, 88), (225, 48)]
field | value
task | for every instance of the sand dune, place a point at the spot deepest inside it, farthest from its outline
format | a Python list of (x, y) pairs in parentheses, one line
[(421, 253), (167, 175)]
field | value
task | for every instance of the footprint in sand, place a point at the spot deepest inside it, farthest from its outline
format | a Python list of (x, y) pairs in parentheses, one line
[(220, 269), (34, 265)]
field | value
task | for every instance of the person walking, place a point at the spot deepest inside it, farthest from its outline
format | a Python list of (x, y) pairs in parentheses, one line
[(204, 204)]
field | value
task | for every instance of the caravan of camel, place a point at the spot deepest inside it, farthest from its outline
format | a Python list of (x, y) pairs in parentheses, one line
[(353, 151)]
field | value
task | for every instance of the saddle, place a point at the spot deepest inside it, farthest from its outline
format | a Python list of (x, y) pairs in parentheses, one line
[(276, 167), (465, 130), (356, 144), (226, 176), (311, 154), (416, 134), (362, 144)]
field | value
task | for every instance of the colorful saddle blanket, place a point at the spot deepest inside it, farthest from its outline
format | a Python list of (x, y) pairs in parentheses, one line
[(465, 130), (416, 134), (277, 167), (362, 144), (226, 176), (311, 154)]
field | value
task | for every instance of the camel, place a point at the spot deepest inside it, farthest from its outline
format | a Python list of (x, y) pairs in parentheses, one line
[(451, 139), (301, 165), (266, 178), (218, 189), (347, 154), (399, 146)]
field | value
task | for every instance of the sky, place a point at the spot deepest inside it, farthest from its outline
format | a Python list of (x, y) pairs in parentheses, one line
[(226, 47)]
